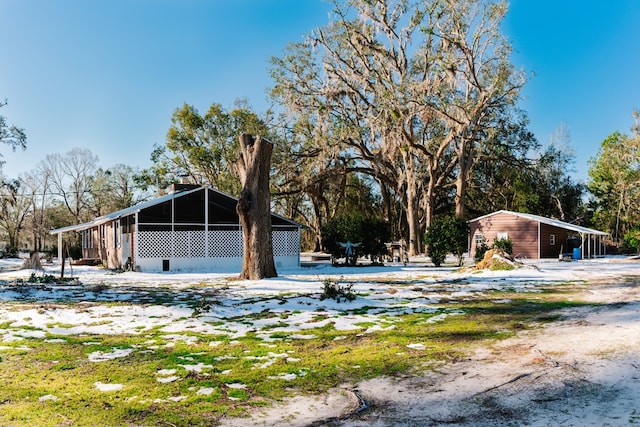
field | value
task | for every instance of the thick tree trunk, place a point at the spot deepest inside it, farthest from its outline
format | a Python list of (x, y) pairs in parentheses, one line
[(462, 180), (254, 208), (415, 239), (412, 199)]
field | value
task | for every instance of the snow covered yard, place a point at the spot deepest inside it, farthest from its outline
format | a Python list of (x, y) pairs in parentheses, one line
[(216, 304), (154, 342)]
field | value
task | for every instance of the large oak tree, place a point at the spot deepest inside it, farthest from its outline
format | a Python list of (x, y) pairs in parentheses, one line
[(406, 90)]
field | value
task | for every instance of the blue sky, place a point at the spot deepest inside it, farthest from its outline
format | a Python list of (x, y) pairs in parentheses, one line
[(107, 75)]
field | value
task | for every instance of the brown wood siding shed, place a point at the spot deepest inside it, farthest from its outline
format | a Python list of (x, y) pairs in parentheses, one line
[(522, 232), (531, 235)]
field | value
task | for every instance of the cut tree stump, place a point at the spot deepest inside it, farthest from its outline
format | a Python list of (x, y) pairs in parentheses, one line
[(34, 262), (254, 208)]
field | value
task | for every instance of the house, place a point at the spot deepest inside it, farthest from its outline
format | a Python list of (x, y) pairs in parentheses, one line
[(535, 236), (190, 228)]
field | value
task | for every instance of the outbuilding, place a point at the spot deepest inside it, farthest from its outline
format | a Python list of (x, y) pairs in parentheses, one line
[(534, 236), (191, 228)]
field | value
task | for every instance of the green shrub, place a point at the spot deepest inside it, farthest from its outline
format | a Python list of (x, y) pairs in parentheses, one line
[(505, 245), (9, 252), (45, 278), (446, 235), (333, 290), (631, 242)]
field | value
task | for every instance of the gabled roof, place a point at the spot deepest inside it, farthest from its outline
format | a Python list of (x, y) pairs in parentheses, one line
[(149, 203), (547, 221)]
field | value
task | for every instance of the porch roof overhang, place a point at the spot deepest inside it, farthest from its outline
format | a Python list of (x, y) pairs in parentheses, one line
[(117, 214), (143, 205)]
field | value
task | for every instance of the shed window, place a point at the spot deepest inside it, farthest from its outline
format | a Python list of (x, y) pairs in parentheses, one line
[(479, 238), (552, 239), (502, 235)]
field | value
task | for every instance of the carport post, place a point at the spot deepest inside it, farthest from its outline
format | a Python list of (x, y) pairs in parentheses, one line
[(60, 247)]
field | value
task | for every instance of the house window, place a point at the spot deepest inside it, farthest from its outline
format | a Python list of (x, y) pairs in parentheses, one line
[(502, 235), (103, 236), (116, 234), (127, 224), (479, 238), (87, 239), (552, 239)]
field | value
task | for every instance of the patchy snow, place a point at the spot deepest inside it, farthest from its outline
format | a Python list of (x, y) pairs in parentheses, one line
[(417, 346), (596, 349), (197, 368), (288, 377), (237, 386), (205, 391), (165, 380), (107, 387), (99, 356)]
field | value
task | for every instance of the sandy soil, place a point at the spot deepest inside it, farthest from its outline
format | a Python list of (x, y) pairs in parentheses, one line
[(581, 371)]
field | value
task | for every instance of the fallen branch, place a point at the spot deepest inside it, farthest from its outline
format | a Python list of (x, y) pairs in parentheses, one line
[(513, 380)]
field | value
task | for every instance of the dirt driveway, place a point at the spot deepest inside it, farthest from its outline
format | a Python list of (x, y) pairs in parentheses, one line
[(581, 371)]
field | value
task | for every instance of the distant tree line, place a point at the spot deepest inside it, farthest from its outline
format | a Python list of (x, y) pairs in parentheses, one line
[(398, 111), (63, 189), (614, 182)]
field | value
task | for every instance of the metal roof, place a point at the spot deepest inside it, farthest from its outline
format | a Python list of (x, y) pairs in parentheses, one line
[(143, 205), (549, 221)]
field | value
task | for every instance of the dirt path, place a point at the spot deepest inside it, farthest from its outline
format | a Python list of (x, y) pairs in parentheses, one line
[(581, 371)]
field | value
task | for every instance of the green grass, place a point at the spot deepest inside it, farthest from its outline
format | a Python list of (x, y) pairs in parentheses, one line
[(245, 372)]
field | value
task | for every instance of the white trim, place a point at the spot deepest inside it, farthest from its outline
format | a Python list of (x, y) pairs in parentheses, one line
[(206, 224), (539, 242), (60, 247), (136, 243)]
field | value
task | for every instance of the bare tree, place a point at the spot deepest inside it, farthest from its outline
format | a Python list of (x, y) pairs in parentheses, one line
[(254, 207), (70, 178), (36, 188)]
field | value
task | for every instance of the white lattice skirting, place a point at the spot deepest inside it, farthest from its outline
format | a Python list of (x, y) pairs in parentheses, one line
[(208, 250)]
